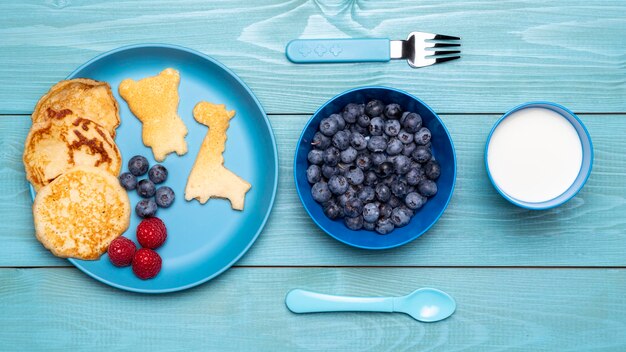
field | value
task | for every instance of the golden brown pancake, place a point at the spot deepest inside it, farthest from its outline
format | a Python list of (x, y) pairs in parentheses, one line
[(208, 177), (80, 213), (57, 145), (87, 98), (154, 100)]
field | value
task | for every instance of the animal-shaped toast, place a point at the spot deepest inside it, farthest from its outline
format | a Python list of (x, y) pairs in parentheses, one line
[(209, 178), (154, 100)]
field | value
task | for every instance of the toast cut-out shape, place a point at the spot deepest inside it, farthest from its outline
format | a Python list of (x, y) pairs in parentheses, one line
[(208, 177), (154, 100)]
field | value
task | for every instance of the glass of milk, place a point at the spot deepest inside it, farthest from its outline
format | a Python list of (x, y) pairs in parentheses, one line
[(538, 155)]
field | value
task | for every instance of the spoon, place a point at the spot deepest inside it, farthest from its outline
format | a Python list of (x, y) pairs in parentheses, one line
[(426, 304)]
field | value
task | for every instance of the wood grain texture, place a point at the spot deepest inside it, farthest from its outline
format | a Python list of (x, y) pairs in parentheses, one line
[(479, 228), (571, 52), (243, 310)]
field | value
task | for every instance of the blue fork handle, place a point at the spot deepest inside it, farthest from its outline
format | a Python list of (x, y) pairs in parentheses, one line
[(302, 301), (303, 51)]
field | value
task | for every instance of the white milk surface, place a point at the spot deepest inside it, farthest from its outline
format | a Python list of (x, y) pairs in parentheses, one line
[(534, 155)]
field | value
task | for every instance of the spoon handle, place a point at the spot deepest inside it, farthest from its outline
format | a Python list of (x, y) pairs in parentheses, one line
[(302, 301)]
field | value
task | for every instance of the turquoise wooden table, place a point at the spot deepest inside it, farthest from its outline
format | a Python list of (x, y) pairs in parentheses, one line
[(524, 281)]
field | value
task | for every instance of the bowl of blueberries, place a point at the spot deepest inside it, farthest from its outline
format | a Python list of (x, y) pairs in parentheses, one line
[(375, 167)]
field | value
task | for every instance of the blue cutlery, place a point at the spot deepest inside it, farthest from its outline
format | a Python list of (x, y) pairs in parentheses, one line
[(419, 49), (426, 304)]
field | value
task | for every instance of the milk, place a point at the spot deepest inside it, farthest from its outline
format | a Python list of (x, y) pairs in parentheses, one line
[(534, 155)]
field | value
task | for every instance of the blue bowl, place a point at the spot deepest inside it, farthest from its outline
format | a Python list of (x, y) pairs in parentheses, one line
[(585, 169), (425, 218)]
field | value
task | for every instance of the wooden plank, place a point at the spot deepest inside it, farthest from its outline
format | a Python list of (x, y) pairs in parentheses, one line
[(479, 228), (243, 310), (566, 51)]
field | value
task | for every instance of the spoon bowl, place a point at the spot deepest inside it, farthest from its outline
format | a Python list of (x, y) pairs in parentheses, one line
[(426, 305)]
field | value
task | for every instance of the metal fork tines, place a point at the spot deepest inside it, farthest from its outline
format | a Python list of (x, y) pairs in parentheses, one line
[(424, 49)]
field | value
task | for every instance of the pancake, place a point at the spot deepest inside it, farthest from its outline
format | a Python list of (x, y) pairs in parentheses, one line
[(154, 101), (55, 146), (90, 99), (80, 213)]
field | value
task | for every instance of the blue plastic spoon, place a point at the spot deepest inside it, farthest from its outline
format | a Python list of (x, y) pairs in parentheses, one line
[(426, 304)]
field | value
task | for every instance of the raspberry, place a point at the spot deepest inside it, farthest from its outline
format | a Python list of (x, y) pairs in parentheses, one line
[(121, 251), (146, 263), (151, 233)]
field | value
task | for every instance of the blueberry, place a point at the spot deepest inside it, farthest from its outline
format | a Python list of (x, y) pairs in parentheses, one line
[(370, 178), (349, 155), (427, 188), (351, 112), (408, 149), (378, 158), (414, 176), (383, 193), (341, 123), (422, 136), (370, 212), (138, 165), (385, 169), (328, 171), (315, 156), (361, 109), (414, 200), (320, 192), (400, 217), (394, 147), (376, 126), (377, 144), (385, 210), (128, 181), (341, 140), (393, 111), (421, 154), (353, 207), (333, 211), (392, 128), (369, 226), (399, 188), (401, 164), (338, 184), (367, 194), (394, 202), (403, 118), (329, 127), (412, 122), (374, 108), (363, 120), (331, 156), (357, 141), (384, 226), (355, 176), (146, 208), (164, 196), (145, 188), (157, 174), (363, 161), (432, 170), (313, 174), (354, 223), (320, 141), (405, 137), (358, 129)]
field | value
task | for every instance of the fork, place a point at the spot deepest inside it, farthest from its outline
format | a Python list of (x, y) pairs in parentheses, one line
[(420, 49)]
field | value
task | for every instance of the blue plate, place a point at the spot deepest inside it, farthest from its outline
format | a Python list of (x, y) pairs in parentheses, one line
[(203, 240), (425, 217)]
